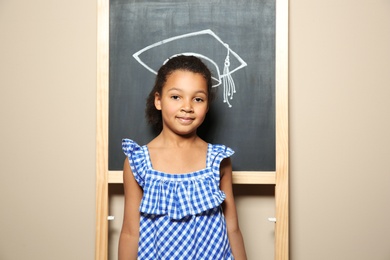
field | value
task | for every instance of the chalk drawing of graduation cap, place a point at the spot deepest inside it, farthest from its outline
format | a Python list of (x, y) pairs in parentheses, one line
[(205, 45)]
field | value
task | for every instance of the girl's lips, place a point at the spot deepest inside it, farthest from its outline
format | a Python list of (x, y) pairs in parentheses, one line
[(185, 120)]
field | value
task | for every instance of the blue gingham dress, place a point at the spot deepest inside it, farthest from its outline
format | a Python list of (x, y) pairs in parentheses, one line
[(181, 214)]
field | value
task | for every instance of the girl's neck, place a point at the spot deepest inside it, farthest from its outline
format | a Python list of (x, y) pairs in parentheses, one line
[(177, 154)]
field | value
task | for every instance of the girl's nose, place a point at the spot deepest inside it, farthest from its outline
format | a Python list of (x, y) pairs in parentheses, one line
[(187, 107)]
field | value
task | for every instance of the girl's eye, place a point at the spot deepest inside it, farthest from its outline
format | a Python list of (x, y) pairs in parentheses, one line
[(175, 97), (199, 99)]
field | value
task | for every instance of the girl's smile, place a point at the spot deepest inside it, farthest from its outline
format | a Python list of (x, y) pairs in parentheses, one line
[(185, 120)]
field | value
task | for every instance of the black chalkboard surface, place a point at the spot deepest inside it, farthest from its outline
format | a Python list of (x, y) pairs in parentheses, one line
[(143, 34)]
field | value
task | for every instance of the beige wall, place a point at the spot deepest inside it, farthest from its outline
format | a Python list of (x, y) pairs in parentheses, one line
[(339, 103), (340, 141), (47, 133)]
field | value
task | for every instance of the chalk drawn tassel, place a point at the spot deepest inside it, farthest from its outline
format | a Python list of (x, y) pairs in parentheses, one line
[(229, 87)]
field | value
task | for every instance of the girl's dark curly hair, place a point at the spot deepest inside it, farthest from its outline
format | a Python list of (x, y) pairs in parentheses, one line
[(186, 63)]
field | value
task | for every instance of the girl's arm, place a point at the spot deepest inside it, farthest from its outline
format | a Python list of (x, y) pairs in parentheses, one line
[(128, 241), (230, 212)]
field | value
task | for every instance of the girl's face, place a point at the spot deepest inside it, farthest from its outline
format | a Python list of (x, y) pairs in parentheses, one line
[(183, 102)]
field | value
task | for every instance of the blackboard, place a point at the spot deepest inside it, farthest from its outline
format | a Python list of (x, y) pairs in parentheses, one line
[(248, 27)]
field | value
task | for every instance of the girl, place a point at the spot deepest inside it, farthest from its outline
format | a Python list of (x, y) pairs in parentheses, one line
[(178, 189)]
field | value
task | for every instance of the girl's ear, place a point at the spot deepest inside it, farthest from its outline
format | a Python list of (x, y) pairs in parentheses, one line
[(157, 101)]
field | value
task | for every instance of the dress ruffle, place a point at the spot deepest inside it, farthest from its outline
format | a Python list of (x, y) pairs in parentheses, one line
[(137, 160), (177, 195)]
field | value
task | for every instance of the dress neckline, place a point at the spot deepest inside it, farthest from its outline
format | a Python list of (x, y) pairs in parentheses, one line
[(150, 166)]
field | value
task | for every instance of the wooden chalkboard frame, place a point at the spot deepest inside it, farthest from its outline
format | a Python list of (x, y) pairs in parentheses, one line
[(279, 177)]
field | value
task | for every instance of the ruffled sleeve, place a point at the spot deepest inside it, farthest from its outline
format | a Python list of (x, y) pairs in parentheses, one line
[(219, 152), (137, 160)]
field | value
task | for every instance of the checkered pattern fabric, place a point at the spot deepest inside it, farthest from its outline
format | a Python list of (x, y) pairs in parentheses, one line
[(181, 215)]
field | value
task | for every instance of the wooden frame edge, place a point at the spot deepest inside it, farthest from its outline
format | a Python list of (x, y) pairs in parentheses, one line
[(282, 132), (101, 240), (239, 177)]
